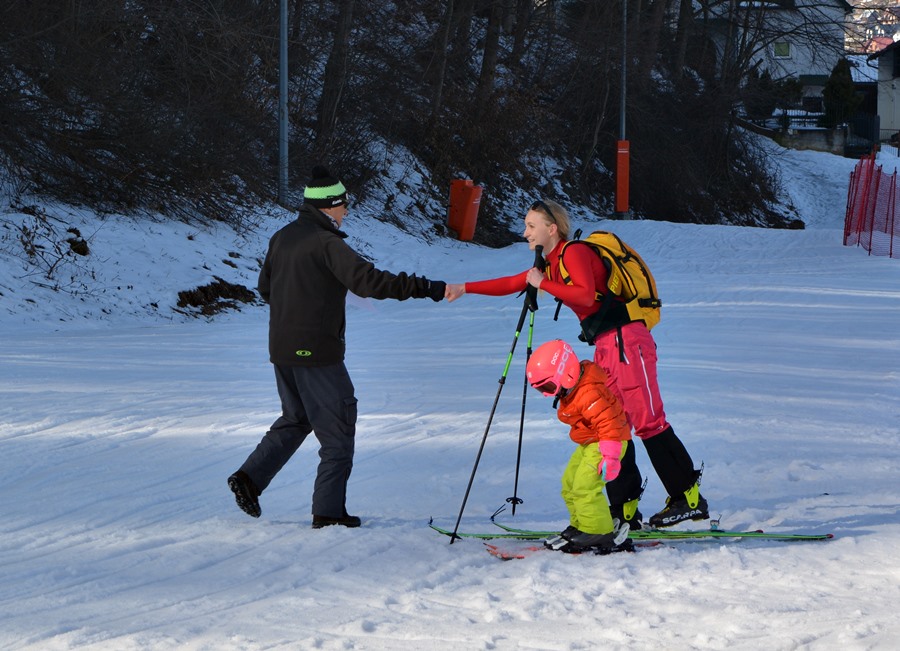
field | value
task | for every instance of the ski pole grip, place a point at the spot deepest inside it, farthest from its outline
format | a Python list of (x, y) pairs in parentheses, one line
[(531, 291), (539, 257)]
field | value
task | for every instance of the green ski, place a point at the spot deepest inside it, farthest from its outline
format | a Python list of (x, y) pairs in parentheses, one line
[(675, 534), (512, 533), (489, 535)]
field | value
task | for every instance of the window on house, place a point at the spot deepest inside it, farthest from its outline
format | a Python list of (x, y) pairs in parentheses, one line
[(812, 104), (782, 50)]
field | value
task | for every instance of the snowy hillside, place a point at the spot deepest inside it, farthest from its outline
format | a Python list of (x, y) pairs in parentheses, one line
[(120, 420)]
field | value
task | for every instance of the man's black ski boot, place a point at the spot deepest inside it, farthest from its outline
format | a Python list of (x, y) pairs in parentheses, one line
[(245, 493), (345, 520)]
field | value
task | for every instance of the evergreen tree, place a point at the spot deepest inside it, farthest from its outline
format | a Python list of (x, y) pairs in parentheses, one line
[(759, 95), (840, 97)]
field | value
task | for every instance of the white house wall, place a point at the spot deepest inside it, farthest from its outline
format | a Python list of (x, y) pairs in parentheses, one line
[(888, 101), (814, 29), (810, 52)]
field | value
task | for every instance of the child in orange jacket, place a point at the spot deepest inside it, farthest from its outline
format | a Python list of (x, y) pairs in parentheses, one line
[(599, 427)]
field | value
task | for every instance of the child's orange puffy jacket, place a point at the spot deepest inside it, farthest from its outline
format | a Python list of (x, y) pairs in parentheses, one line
[(592, 410)]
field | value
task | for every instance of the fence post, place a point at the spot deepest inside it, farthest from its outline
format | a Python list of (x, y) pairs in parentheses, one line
[(852, 191), (889, 221), (870, 198)]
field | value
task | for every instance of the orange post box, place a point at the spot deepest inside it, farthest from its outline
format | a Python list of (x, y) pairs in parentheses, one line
[(465, 199)]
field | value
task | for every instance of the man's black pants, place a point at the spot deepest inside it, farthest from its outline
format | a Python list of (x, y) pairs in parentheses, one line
[(316, 399)]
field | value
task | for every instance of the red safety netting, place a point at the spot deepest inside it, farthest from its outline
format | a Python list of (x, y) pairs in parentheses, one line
[(872, 202)]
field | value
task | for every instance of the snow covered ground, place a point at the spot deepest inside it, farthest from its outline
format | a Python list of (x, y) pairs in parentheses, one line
[(120, 421)]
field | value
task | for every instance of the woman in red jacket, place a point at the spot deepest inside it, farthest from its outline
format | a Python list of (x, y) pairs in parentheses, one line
[(624, 349)]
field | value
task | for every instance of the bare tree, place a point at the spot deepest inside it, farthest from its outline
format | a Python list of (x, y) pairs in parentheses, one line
[(490, 57), (521, 20), (438, 64), (652, 31), (336, 74), (172, 104)]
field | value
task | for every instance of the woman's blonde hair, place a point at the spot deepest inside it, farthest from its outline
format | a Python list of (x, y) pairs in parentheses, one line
[(553, 213)]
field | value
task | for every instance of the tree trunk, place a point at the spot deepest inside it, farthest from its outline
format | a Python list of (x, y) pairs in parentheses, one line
[(682, 36), (441, 43), (651, 30), (523, 11), (335, 77), (489, 60)]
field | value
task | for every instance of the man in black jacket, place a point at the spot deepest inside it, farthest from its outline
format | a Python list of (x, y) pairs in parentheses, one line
[(305, 278)]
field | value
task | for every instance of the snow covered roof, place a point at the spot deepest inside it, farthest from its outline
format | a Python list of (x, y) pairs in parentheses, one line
[(862, 68)]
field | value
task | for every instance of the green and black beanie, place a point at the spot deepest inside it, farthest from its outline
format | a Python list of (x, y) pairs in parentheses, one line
[(324, 190)]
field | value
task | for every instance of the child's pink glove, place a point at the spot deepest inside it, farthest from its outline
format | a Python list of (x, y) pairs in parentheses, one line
[(610, 466)]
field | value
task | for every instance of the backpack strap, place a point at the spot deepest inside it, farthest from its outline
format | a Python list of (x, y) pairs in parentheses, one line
[(564, 275), (593, 324), (567, 279)]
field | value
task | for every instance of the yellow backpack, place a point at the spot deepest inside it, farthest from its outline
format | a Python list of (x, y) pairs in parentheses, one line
[(629, 277)]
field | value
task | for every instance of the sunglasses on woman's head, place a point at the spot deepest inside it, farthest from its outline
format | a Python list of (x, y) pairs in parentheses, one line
[(540, 205)]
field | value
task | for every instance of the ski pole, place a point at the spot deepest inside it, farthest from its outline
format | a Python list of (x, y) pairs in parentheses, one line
[(530, 304), (515, 500)]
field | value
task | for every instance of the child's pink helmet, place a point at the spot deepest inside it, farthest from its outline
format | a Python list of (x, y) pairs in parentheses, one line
[(553, 367)]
